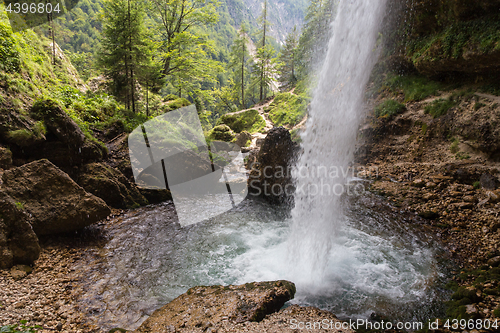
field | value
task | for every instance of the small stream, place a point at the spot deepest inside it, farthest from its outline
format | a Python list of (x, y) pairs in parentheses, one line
[(379, 263)]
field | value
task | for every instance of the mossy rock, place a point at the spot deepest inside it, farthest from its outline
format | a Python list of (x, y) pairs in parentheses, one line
[(178, 103), (222, 133), (250, 121)]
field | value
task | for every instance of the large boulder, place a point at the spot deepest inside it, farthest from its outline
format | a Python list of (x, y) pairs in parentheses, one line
[(243, 138), (18, 241), (111, 186), (58, 122), (66, 145), (56, 203), (270, 176), (209, 306), (222, 133)]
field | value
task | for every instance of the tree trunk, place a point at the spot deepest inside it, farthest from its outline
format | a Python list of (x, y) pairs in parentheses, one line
[(132, 88)]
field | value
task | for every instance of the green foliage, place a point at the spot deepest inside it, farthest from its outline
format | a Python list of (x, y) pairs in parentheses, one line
[(288, 109), (21, 137), (454, 145), (9, 54), (316, 33), (492, 88), (481, 35), (170, 97), (414, 88), (389, 108), (240, 62), (477, 185), (424, 129), (20, 205), (250, 121), (440, 106), (178, 103), (126, 48), (20, 328), (288, 58), (264, 70), (462, 155), (478, 105)]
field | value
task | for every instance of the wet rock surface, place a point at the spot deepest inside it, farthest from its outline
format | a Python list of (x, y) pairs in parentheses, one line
[(207, 306), (252, 307), (270, 171), (56, 203)]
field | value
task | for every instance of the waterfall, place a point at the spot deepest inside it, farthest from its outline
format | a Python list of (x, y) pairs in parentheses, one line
[(330, 135)]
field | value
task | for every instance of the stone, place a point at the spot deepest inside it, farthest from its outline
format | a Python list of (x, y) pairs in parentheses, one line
[(429, 196), (430, 185), (488, 181), (156, 196), (242, 138), (470, 308), (56, 203), (19, 272), (18, 241), (470, 198), (110, 185), (418, 183), (430, 215), (202, 307), (492, 196), (494, 262), (270, 177)]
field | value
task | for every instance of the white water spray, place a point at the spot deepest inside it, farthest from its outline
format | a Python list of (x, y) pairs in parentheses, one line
[(329, 139)]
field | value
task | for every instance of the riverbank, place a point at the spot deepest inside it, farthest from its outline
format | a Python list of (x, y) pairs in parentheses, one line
[(445, 169)]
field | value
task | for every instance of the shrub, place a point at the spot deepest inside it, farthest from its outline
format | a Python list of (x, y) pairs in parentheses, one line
[(170, 97), (454, 146), (440, 106), (178, 103), (414, 88), (389, 108), (20, 328)]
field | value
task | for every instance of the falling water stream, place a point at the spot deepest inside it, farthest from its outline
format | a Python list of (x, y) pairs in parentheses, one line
[(352, 255)]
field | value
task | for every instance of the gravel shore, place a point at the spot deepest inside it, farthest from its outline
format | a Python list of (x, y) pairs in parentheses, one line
[(46, 296)]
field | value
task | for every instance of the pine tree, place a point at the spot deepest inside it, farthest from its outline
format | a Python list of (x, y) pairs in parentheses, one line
[(264, 67), (316, 33), (263, 53), (239, 61), (287, 73), (125, 46), (264, 70)]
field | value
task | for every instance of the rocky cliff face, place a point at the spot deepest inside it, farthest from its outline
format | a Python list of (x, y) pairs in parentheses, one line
[(443, 37), (283, 15)]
